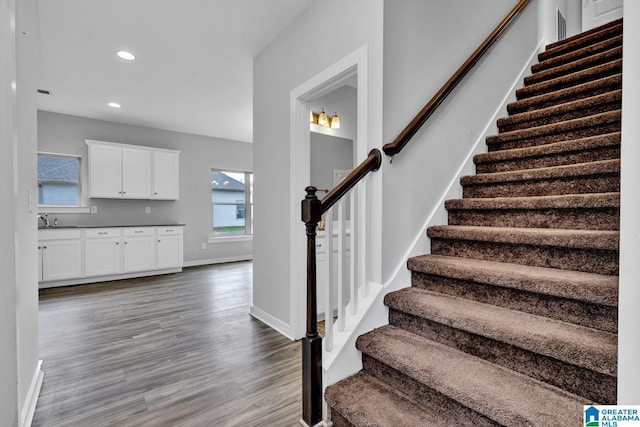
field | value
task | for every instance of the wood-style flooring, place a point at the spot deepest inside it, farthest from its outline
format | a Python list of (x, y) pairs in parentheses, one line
[(173, 350)]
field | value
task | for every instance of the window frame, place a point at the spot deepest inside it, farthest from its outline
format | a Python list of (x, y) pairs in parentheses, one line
[(80, 207), (248, 204)]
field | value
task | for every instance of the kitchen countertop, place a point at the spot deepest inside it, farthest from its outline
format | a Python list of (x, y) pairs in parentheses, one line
[(60, 227)]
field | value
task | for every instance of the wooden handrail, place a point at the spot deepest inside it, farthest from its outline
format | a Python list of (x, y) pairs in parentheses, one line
[(312, 210), (412, 128), (370, 164)]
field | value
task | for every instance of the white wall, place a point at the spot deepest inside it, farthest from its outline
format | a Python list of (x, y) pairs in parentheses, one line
[(26, 239), (65, 134), (318, 39), (327, 154), (629, 315), (424, 43), (18, 247), (8, 307)]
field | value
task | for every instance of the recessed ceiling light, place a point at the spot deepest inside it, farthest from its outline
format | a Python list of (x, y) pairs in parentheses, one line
[(114, 105), (126, 55)]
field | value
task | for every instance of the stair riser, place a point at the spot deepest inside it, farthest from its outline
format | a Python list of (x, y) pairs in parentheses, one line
[(587, 260), (423, 395), (561, 97), (569, 377), (561, 116), (578, 219), (548, 73), (595, 316), (565, 82), (609, 183), (496, 143), (553, 159), (553, 58)]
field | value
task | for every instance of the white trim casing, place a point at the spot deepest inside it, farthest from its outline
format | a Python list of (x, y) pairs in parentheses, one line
[(322, 83)]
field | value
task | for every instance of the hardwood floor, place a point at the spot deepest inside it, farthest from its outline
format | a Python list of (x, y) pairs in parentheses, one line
[(173, 350)]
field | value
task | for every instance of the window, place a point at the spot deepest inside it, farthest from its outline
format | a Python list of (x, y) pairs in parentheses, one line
[(232, 203), (58, 180)]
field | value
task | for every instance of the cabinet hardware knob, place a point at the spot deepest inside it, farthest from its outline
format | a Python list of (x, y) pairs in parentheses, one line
[(117, 243), (318, 245), (156, 193), (44, 247), (158, 241), (126, 243)]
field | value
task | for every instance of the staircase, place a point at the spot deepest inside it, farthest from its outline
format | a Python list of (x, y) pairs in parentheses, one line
[(512, 318)]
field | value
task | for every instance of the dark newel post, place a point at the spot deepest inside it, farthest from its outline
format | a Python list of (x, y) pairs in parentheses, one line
[(311, 343)]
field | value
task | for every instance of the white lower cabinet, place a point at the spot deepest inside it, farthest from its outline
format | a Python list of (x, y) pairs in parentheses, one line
[(72, 256), (60, 254), (170, 247), (139, 249), (102, 252)]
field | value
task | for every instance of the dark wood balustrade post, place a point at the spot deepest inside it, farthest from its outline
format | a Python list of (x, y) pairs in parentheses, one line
[(312, 342)]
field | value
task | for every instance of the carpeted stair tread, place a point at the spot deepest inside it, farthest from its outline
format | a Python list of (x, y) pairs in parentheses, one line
[(576, 285), (589, 33), (574, 344), (565, 201), (569, 80), (567, 171), (583, 239), (588, 143), (591, 88), (557, 68), (570, 110), (585, 52), (555, 132), (575, 47), (364, 401), (498, 393)]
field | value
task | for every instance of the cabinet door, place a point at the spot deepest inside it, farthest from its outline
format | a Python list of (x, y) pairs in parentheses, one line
[(105, 171), (170, 251), (102, 256), (39, 261), (165, 175), (139, 254), (136, 173), (61, 259)]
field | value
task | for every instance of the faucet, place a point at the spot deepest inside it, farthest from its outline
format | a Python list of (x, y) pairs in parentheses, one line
[(45, 219)]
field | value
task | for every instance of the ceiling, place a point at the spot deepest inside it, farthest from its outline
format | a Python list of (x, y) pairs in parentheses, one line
[(193, 70)]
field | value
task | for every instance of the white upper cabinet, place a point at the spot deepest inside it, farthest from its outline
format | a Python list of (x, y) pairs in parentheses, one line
[(166, 180), (121, 171), (105, 171)]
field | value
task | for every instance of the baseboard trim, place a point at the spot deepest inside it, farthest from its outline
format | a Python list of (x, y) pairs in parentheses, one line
[(271, 321), (198, 262), (97, 279), (29, 407)]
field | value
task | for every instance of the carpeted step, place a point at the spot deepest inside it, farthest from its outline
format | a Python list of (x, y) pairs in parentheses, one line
[(591, 211), (570, 80), (584, 107), (583, 150), (593, 177), (547, 72), (562, 354), (591, 251), (584, 90), (582, 127), (596, 42), (585, 299), (454, 381), (586, 52), (589, 33), (362, 400)]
